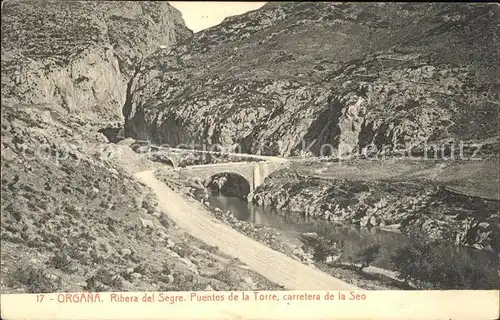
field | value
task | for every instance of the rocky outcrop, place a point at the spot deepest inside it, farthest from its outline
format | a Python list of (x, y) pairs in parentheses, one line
[(326, 77), (463, 219), (72, 216), (80, 55), (427, 209)]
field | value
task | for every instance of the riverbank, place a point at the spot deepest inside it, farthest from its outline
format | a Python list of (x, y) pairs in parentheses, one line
[(104, 234), (280, 241), (415, 207), (275, 266)]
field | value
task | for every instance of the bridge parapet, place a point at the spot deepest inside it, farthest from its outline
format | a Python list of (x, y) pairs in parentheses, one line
[(254, 172), (177, 156)]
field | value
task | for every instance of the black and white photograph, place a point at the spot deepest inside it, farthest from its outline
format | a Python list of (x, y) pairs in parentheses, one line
[(204, 147)]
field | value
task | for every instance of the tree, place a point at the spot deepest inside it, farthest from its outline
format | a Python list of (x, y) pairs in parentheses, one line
[(410, 262), (429, 264), (325, 248), (366, 256)]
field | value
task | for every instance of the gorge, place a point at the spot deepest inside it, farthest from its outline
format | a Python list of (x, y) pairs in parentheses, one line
[(91, 89)]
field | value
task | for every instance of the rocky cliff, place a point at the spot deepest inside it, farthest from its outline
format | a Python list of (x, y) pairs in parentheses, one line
[(417, 208), (339, 75), (72, 217), (78, 56)]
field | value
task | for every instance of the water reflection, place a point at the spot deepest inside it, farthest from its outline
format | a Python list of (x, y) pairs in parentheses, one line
[(295, 223)]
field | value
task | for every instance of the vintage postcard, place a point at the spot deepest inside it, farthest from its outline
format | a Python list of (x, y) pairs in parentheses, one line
[(249, 160)]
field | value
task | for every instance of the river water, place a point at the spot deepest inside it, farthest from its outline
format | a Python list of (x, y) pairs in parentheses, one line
[(293, 224)]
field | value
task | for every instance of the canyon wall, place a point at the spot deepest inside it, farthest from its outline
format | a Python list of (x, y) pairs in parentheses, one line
[(77, 56), (325, 77), (416, 208)]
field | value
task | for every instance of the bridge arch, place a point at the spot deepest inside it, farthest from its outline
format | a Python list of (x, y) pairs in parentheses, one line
[(165, 159), (229, 183), (253, 173)]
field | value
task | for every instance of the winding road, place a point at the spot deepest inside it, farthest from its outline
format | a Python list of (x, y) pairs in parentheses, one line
[(193, 218)]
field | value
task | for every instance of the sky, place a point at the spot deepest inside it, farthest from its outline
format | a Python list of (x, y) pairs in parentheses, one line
[(200, 15)]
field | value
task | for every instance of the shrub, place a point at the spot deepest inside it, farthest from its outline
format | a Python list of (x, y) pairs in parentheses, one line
[(331, 243), (62, 262), (209, 248), (183, 251), (326, 244), (433, 265), (150, 203), (164, 220), (410, 262), (326, 247), (34, 280), (104, 280), (366, 256), (142, 269), (228, 274)]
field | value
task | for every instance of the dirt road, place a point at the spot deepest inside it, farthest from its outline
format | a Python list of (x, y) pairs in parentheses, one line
[(193, 218)]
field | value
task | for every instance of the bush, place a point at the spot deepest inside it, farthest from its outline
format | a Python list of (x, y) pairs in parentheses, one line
[(228, 274), (411, 263), (62, 262), (432, 265), (104, 280), (164, 221), (150, 203), (331, 243), (183, 251), (325, 247), (326, 244), (34, 280), (366, 256)]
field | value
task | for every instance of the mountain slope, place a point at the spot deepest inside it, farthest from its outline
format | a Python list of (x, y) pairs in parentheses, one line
[(343, 74), (72, 217), (81, 54)]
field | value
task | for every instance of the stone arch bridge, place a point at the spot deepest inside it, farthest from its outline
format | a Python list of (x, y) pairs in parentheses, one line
[(253, 172), (177, 156)]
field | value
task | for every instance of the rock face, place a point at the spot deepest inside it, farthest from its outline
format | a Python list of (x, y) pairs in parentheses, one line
[(69, 221), (80, 55), (335, 77), (72, 216), (421, 208)]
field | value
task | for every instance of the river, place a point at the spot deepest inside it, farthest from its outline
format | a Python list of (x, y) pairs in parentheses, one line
[(293, 224)]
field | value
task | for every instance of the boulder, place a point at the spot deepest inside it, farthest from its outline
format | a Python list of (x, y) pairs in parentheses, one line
[(147, 223), (125, 252)]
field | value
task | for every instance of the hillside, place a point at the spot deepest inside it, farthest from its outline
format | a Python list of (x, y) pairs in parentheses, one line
[(78, 56), (348, 75), (73, 217), (345, 75)]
